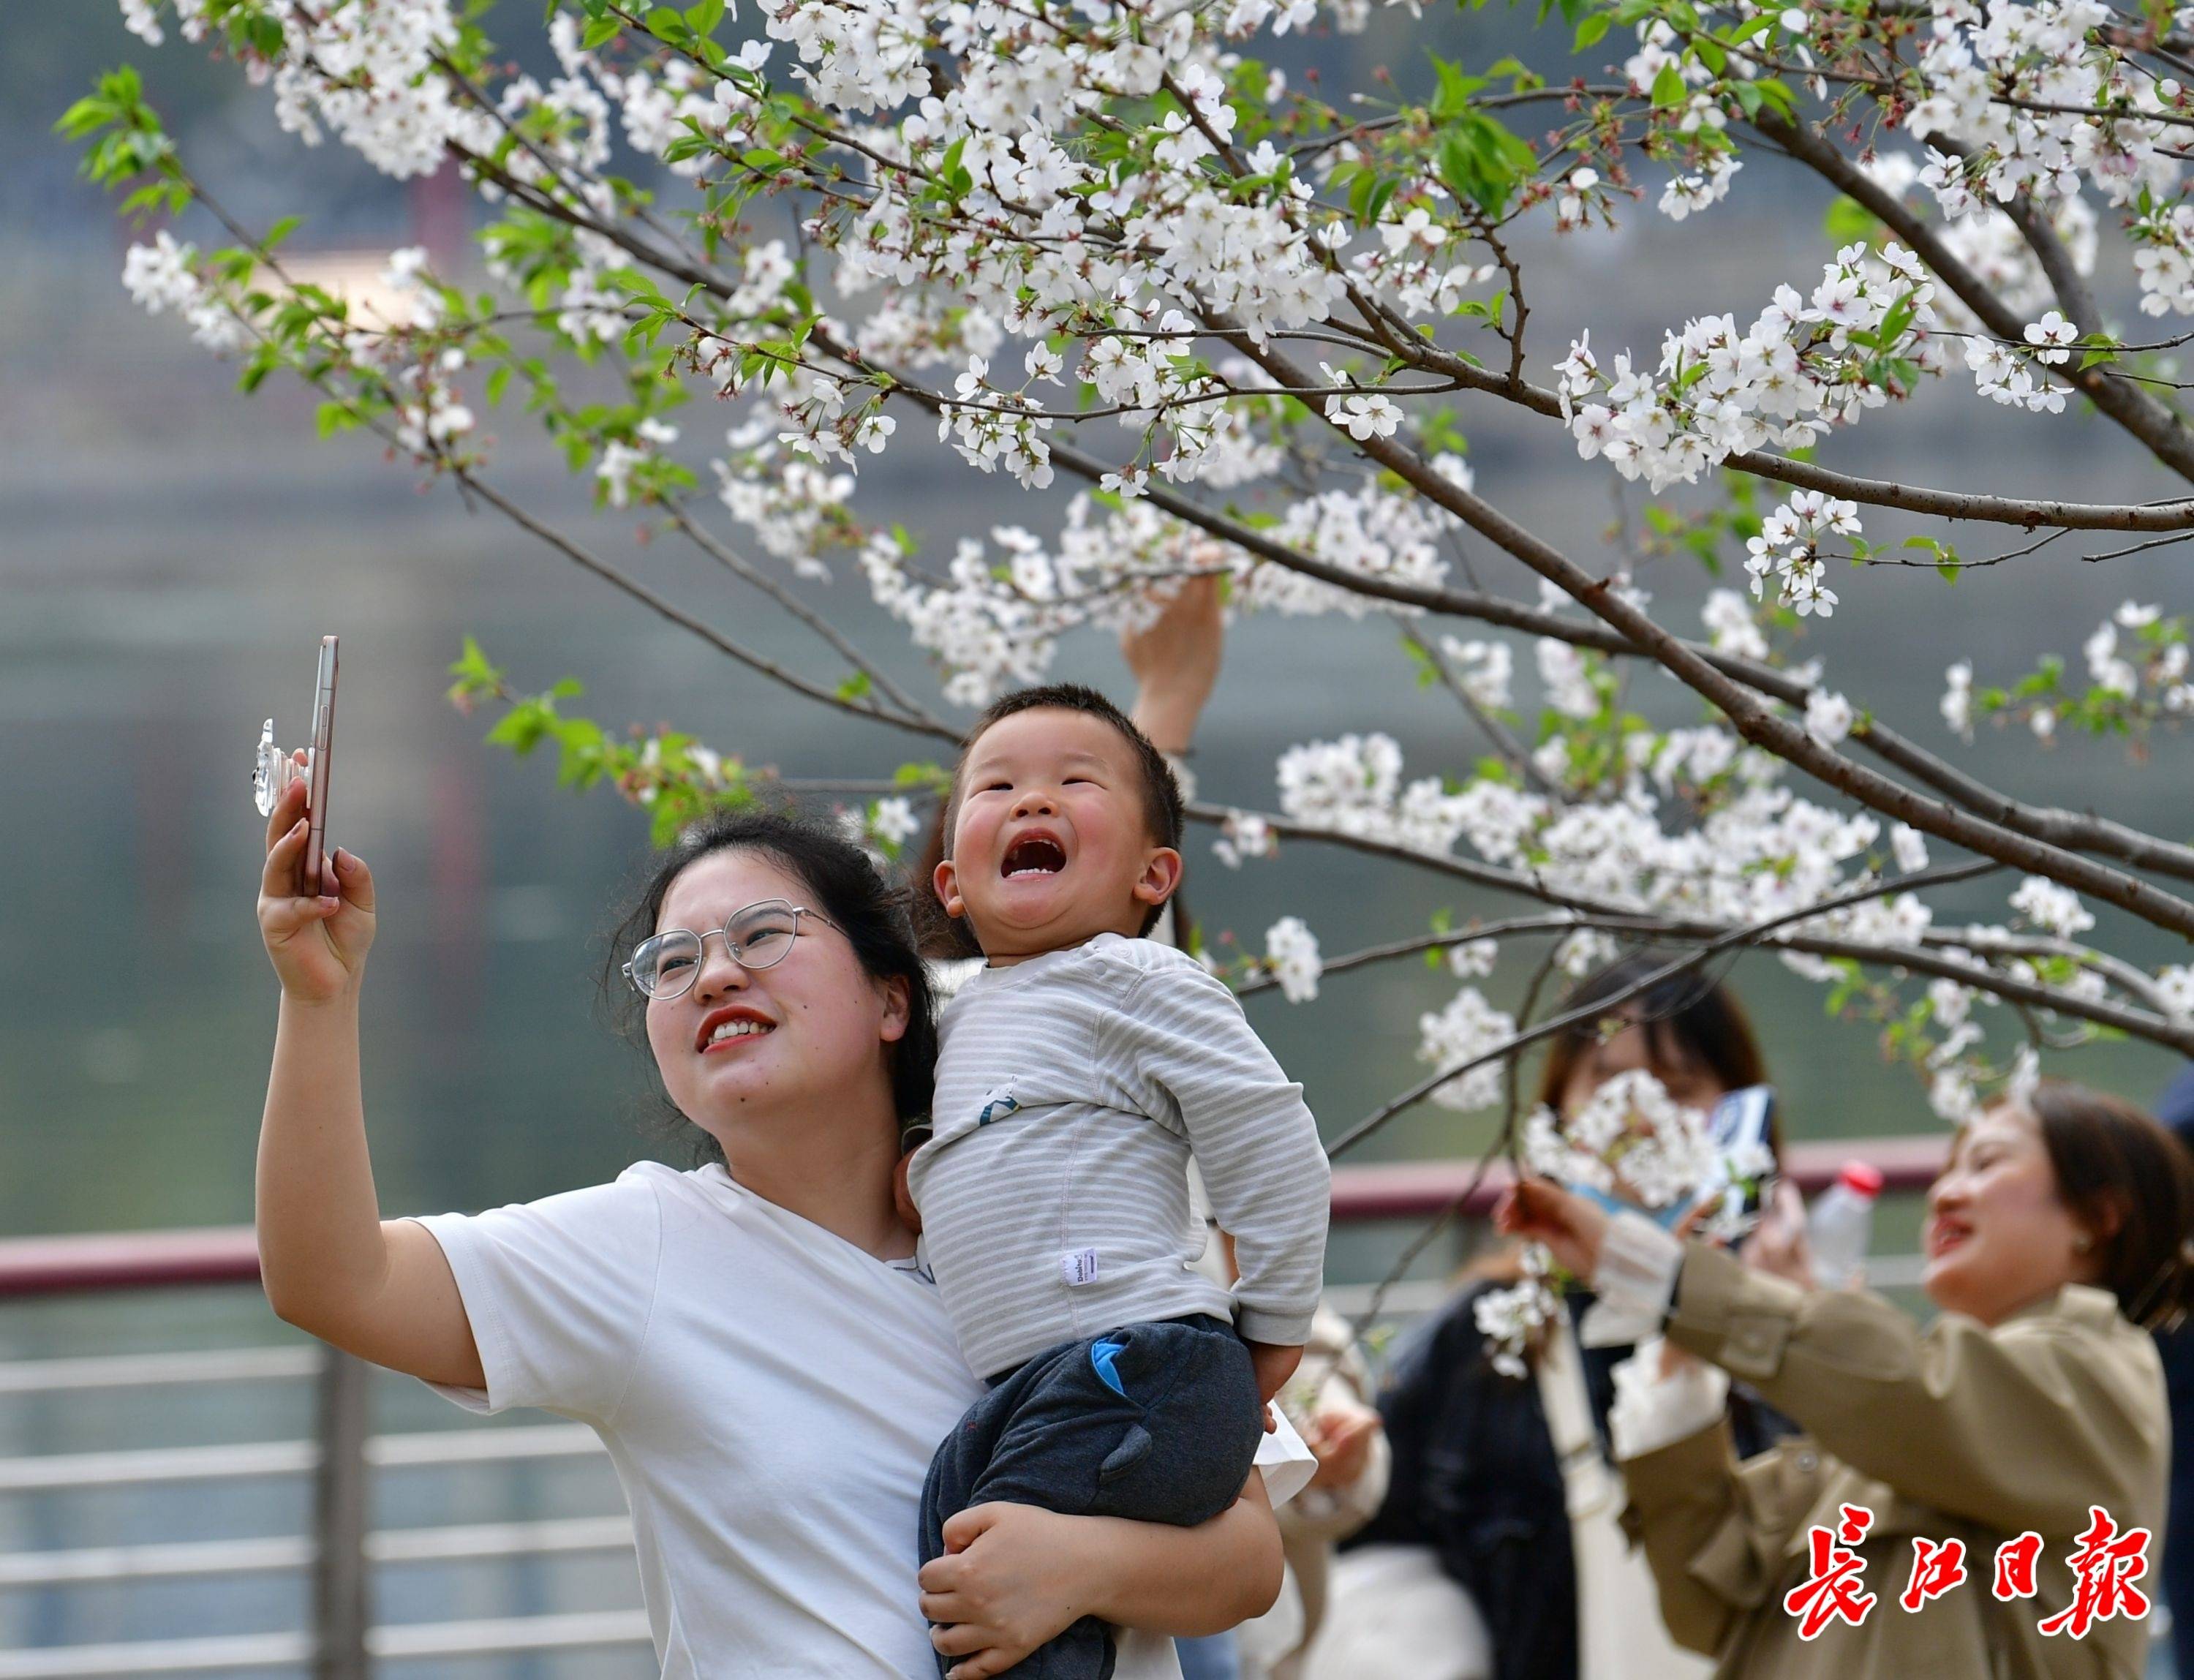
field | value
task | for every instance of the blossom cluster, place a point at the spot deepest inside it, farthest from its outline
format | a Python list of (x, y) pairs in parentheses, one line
[(2137, 667), (1629, 1140), (1805, 365)]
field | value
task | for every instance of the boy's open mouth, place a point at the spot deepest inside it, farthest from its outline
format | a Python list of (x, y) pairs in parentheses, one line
[(1036, 854)]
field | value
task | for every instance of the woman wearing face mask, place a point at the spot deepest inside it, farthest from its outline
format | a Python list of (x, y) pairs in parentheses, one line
[(753, 1341), (2058, 1229), (1496, 1554)]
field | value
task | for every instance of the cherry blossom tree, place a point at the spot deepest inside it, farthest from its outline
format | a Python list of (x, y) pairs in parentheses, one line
[(1215, 321)]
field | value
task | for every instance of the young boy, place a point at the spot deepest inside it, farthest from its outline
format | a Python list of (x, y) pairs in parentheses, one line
[(1078, 1072)]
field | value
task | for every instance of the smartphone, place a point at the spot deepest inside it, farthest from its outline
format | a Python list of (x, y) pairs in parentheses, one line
[(1743, 1127), (314, 878)]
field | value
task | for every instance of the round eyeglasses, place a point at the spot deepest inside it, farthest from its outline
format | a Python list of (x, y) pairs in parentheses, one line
[(760, 936)]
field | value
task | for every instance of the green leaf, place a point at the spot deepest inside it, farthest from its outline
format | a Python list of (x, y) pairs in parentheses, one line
[(86, 116), (1667, 87), (1480, 160), (1590, 31), (704, 17), (666, 26), (1455, 89), (1777, 94)]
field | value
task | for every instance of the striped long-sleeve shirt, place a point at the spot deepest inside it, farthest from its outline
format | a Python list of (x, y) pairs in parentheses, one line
[(1072, 1091)]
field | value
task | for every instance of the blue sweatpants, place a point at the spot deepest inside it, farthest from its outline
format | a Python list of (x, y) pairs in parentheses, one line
[(1159, 1423)]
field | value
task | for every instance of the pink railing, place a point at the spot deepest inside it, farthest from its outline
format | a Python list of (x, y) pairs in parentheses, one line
[(1384, 1190)]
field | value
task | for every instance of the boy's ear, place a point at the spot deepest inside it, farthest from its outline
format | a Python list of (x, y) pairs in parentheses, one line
[(1160, 875), (945, 882)]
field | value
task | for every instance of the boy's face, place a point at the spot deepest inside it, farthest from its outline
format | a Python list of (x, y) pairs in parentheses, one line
[(1052, 845)]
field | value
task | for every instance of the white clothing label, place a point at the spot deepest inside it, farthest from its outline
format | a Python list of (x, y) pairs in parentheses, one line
[(1079, 1268)]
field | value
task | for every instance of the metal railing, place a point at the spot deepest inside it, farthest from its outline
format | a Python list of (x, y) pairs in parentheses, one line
[(344, 1457)]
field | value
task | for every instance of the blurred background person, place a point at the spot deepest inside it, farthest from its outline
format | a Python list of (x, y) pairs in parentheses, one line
[(2058, 1230), (1498, 1553)]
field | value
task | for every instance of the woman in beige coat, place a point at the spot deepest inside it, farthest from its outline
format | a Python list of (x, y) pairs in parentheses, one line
[(2059, 1227)]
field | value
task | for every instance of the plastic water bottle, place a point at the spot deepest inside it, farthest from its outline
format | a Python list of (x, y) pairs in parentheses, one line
[(1840, 1226)]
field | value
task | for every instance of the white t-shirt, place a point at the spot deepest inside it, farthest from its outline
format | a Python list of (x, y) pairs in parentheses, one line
[(771, 1396)]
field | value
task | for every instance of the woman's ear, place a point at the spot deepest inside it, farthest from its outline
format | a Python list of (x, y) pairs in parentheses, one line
[(898, 1010), (1160, 875)]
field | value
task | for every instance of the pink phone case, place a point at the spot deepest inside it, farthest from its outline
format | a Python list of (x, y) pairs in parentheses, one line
[(314, 878)]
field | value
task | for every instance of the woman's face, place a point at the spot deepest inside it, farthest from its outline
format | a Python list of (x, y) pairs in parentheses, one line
[(810, 1032), (1692, 1083), (1998, 1235)]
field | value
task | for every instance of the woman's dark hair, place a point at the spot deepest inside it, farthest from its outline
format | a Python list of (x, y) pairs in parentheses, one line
[(1688, 1020), (1162, 809), (839, 882), (2131, 1183)]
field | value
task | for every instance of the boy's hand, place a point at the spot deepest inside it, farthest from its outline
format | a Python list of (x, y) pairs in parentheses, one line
[(1273, 1364), (1175, 661)]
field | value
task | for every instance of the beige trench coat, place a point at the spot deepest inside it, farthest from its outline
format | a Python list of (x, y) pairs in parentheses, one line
[(1955, 1429)]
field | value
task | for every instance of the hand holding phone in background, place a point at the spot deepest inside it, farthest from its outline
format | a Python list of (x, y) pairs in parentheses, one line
[(1778, 1243)]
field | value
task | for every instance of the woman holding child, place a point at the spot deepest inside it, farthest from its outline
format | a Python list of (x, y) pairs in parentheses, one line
[(754, 1341)]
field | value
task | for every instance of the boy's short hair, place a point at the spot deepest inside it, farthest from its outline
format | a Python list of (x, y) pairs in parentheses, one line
[(1163, 816)]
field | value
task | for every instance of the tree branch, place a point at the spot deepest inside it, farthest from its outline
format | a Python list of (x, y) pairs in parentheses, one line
[(1742, 705), (2165, 435), (703, 540)]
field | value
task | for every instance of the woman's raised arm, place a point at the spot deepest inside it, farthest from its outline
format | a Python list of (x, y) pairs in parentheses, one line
[(1014, 1576), (330, 1266)]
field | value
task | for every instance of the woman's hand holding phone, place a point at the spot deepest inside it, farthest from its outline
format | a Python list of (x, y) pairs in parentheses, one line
[(317, 944), (1779, 1244)]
